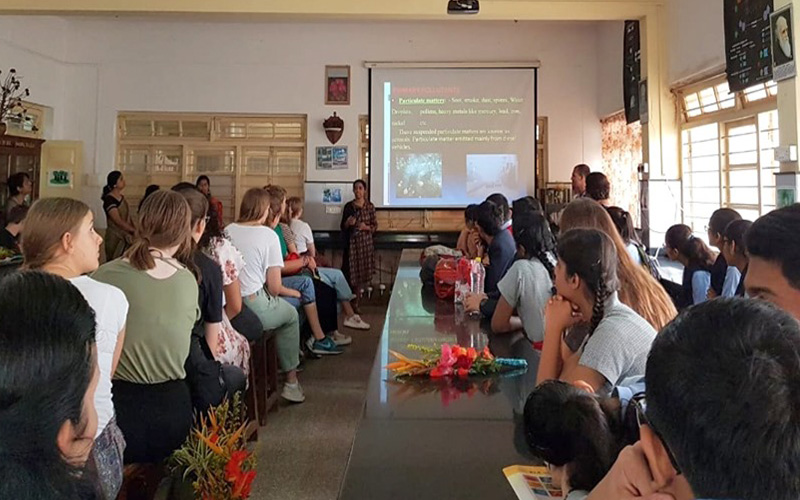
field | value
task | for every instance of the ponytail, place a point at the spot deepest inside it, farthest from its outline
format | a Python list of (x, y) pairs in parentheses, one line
[(531, 231), (164, 222), (111, 180)]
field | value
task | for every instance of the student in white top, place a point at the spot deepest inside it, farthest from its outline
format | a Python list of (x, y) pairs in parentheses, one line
[(61, 240), (618, 341), (261, 249), (304, 242)]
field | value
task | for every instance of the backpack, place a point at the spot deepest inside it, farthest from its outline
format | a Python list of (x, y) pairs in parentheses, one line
[(444, 278)]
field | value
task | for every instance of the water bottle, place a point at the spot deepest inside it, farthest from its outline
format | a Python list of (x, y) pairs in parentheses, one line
[(463, 273), (477, 277)]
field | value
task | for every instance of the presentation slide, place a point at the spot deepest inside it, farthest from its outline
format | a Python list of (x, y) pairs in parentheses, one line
[(445, 138)]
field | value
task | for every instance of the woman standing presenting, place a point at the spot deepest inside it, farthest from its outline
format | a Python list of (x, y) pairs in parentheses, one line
[(120, 226), (358, 225)]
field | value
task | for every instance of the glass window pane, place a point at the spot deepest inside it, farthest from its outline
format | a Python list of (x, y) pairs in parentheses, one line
[(213, 160), (138, 128), (709, 100), (134, 159), (755, 93), (257, 162), (195, 128), (743, 178), (747, 158), (167, 128), (168, 160), (744, 196)]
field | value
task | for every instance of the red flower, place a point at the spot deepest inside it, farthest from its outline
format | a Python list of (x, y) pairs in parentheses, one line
[(463, 372), (472, 354), (441, 371), (214, 438), (242, 481), (234, 467), (241, 487), (463, 362)]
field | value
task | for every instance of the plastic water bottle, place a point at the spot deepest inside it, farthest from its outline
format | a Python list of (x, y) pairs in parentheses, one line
[(463, 286), (477, 277)]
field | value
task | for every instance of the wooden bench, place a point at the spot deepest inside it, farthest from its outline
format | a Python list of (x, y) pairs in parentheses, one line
[(262, 392)]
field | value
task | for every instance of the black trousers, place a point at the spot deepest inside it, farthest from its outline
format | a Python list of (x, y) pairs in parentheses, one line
[(209, 380), (154, 418)]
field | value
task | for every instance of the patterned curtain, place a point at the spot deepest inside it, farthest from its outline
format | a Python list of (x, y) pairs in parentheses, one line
[(622, 154)]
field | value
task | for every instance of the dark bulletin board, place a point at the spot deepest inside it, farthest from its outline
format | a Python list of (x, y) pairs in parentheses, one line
[(632, 70), (747, 42)]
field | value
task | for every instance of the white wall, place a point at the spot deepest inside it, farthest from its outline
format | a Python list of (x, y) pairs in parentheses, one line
[(110, 65), (696, 31), (609, 71)]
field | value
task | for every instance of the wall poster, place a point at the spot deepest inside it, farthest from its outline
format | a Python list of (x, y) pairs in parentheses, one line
[(747, 42)]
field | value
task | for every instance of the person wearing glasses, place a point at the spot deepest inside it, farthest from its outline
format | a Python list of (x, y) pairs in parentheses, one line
[(725, 426)]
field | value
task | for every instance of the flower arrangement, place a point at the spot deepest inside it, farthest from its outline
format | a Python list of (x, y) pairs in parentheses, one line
[(215, 456), (12, 97), (451, 360)]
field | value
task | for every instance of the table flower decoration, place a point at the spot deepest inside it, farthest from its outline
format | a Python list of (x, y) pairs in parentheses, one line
[(215, 456), (451, 361)]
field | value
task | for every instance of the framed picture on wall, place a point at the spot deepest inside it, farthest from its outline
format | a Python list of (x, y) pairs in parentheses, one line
[(337, 85)]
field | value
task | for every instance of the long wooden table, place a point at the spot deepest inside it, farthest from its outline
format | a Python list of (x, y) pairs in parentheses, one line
[(445, 439)]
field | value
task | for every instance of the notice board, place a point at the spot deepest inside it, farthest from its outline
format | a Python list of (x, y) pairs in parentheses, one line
[(747, 42)]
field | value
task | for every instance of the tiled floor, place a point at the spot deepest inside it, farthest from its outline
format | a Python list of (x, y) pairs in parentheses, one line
[(303, 450)]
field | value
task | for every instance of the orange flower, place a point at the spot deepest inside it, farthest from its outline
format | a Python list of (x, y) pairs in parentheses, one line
[(472, 354), (486, 353), (463, 372)]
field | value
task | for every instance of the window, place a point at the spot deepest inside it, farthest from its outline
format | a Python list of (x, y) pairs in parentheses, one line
[(729, 164), (235, 152), (31, 124)]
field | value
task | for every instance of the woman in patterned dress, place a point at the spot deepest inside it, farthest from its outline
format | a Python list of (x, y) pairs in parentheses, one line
[(233, 348), (358, 225)]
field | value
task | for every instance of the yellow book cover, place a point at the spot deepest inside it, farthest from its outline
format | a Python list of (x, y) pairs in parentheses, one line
[(532, 483)]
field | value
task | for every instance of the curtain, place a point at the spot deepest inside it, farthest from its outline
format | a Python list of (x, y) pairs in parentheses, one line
[(622, 154)]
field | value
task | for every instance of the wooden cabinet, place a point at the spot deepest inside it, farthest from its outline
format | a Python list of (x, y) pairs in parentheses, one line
[(19, 154)]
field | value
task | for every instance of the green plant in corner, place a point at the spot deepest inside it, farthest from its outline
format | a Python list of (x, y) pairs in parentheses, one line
[(12, 103), (215, 456)]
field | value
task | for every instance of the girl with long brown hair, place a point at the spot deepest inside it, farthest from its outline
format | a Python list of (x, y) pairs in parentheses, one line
[(260, 248), (151, 395), (61, 240), (637, 288)]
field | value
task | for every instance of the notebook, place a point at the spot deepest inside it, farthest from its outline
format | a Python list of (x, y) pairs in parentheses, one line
[(532, 483)]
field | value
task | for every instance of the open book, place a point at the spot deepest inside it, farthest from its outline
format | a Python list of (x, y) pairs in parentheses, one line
[(532, 483)]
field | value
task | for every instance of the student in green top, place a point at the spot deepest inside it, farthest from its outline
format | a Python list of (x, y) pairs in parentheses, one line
[(151, 396)]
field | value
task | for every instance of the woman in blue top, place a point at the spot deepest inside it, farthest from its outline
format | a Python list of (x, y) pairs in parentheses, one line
[(697, 259)]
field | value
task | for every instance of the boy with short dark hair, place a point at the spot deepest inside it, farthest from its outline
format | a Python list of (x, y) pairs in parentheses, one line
[(773, 247), (725, 426)]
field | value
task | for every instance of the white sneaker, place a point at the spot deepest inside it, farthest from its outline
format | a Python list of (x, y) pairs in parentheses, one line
[(341, 339), (293, 393), (355, 322)]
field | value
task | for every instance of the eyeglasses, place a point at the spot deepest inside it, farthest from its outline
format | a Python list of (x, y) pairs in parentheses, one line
[(208, 219), (641, 418)]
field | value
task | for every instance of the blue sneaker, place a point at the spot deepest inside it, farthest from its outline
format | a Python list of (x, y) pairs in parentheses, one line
[(323, 347)]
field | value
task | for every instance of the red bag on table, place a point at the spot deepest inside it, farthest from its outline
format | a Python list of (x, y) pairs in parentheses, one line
[(444, 278)]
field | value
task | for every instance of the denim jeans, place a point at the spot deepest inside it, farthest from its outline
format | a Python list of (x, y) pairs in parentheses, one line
[(335, 278), (302, 284)]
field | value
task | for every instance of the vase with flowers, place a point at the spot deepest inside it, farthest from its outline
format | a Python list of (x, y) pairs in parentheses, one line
[(12, 99)]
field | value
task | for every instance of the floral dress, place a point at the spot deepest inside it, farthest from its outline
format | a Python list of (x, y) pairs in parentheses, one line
[(233, 349)]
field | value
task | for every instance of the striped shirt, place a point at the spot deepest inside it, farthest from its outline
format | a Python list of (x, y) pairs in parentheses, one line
[(619, 346)]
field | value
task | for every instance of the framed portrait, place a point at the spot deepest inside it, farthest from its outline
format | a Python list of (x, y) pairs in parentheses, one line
[(337, 85), (782, 34)]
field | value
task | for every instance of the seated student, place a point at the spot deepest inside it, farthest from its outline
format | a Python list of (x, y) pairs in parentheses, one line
[(638, 289), (48, 377), (697, 259), (468, 240), (720, 426), (15, 222), (618, 341), (152, 398), (331, 277), (61, 240), (528, 284), (526, 204), (501, 201), (499, 244), (498, 258), (211, 381), (724, 277), (577, 434), (773, 250), (598, 188), (294, 283), (260, 248), (733, 247), (152, 188), (624, 224)]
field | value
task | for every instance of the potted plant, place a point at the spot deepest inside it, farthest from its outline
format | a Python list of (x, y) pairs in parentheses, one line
[(12, 97)]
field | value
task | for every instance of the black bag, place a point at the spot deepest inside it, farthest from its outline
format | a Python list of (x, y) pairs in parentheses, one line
[(248, 324)]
